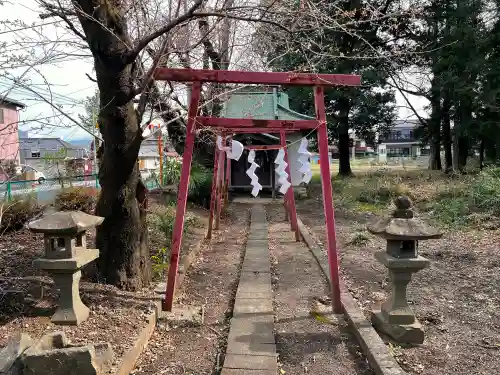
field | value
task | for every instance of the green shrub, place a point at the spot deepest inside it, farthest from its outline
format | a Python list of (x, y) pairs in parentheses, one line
[(77, 199), (200, 180), (18, 212), (452, 212), (159, 263), (485, 191), (165, 220)]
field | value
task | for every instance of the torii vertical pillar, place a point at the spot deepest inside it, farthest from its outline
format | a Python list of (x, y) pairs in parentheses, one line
[(187, 157), (220, 187), (213, 195), (326, 183), (289, 196)]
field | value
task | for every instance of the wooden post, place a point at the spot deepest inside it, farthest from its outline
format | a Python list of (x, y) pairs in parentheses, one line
[(228, 176), (326, 183), (289, 196), (220, 183), (160, 151), (182, 198), (273, 175), (213, 195)]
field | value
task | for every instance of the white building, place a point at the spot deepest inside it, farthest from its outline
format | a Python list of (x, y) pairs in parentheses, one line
[(401, 142)]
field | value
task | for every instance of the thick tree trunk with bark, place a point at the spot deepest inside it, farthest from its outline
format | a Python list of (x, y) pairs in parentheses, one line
[(124, 258)]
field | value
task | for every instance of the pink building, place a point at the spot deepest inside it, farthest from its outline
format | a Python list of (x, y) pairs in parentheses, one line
[(9, 135)]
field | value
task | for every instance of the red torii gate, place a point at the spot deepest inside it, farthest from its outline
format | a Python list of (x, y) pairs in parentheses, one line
[(249, 125)]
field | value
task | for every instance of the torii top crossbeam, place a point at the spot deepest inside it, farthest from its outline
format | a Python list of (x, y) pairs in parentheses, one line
[(258, 78), (249, 125)]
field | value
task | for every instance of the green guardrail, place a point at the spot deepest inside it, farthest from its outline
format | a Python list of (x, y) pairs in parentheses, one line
[(12, 188)]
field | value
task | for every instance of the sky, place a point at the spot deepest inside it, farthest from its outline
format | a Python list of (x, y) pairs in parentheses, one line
[(69, 84)]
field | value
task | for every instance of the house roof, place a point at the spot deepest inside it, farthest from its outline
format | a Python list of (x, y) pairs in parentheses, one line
[(400, 124), (45, 143), (12, 102)]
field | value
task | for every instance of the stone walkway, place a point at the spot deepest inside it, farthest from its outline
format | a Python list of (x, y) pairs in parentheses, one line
[(251, 347)]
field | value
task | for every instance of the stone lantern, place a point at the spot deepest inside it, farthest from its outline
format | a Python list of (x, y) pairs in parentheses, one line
[(66, 253), (402, 232)]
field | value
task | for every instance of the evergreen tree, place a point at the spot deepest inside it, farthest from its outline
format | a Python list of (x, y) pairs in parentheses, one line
[(355, 48)]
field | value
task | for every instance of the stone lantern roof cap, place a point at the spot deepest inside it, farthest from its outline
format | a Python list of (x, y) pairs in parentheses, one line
[(65, 223), (402, 225)]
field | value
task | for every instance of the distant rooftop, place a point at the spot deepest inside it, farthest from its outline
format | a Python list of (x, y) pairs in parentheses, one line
[(406, 124), (46, 143), (12, 102)]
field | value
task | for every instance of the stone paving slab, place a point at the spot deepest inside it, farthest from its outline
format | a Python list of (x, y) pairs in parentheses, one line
[(226, 371), (260, 265), (251, 346), (261, 325), (252, 338), (252, 306), (258, 280), (251, 362), (250, 292)]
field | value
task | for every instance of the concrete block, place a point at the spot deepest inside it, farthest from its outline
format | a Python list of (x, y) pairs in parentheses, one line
[(76, 360), (184, 315), (52, 354)]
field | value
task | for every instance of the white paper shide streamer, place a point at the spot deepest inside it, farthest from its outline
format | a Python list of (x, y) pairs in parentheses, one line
[(234, 152), (256, 187), (304, 160), (281, 170)]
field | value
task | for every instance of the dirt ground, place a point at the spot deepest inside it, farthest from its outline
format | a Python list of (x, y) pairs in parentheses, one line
[(28, 297), (306, 345), (456, 298), (211, 282)]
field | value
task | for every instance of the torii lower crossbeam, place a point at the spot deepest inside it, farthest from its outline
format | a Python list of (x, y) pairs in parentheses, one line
[(319, 81)]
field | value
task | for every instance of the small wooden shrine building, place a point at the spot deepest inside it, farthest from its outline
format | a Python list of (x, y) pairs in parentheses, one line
[(262, 102)]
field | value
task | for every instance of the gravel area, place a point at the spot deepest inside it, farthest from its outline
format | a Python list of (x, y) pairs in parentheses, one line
[(456, 298), (309, 339), (211, 282), (28, 297)]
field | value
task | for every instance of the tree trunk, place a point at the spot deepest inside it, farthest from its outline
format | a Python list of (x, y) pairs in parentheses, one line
[(344, 162), (124, 259), (434, 127), (463, 152), (447, 141)]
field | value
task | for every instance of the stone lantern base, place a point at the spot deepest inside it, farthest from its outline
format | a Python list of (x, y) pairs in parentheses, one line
[(66, 274), (395, 318), (403, 333)]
